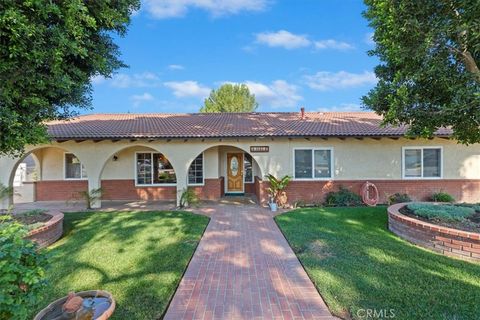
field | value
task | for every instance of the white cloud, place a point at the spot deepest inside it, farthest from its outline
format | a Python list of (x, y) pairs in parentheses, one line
[(344, 107), (277, 94), (176, 67), (283, 39), (332, 44), (288, 40), (325, 81), (137, 100), (162, 9), (183, 89), (369, 39), (98, 79), (138, 80)]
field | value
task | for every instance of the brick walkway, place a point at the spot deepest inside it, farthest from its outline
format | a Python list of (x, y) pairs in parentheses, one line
[(244, 269)]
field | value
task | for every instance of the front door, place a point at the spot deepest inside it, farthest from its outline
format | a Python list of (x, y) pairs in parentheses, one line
[(235, 172)]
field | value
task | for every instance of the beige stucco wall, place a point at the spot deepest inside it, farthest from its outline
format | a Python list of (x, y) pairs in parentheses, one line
[(52, 163), (353, 159)]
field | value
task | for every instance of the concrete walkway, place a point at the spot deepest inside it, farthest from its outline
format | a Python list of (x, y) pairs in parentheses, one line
[(244, 269)]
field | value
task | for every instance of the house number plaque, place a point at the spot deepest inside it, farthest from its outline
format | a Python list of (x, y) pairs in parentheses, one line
[(259, 148)]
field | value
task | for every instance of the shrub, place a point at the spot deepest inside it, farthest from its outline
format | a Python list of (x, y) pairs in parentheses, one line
[(22, 271), (277, 188), (91, 196), (474, 206), (343, 198), (399, 198), (445, 212), (188, 198), (442, 197)]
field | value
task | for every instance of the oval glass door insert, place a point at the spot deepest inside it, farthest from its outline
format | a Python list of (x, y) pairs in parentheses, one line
[(234, 166)]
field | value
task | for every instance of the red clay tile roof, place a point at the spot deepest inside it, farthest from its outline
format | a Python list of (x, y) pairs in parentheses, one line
[(224, 125)]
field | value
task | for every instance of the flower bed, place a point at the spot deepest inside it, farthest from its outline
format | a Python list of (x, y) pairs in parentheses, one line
[(49, 232), (444, 240)]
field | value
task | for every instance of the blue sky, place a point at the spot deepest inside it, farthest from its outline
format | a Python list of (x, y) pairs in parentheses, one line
[(290, 53)]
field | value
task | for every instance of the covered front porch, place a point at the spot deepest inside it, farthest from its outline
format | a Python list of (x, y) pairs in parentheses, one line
[(133, 172)]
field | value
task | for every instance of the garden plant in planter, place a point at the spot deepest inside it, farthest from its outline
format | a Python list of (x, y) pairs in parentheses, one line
[(276, 191)]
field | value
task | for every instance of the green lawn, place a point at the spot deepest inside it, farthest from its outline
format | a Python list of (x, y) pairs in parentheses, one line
[(356, 263), (138, 256)]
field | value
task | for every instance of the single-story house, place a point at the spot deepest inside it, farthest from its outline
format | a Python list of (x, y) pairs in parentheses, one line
[(156, 156)]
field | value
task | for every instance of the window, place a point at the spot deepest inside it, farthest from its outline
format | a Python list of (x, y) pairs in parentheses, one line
[(248, 167), (313, 164), (195, 172), (73, 168), (154, 168), (422, 162)]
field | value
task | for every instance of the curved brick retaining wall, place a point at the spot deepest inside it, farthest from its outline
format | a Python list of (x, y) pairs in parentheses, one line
[(50, 232), (450, 242)]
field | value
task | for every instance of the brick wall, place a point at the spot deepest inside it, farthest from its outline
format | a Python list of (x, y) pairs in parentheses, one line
[(63, 190), (261, 193), (420, 190), (308, 191), (250, 188), (50, 232), (447, 241), (59, 190), (211, 190), (126, 190)]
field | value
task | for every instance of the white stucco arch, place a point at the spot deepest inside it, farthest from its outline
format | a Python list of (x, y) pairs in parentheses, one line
[(111, 153), (225, 144), (9, 166)]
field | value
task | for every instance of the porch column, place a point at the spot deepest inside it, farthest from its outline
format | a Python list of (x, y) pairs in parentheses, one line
[(181, 175), (7, 173), (94, 172), (7, 201), (94, 183)]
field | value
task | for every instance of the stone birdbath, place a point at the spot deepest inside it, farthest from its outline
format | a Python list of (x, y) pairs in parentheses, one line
[(84, 305)]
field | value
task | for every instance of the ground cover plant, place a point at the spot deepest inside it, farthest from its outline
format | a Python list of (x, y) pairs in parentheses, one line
[(356, 264), (459, 216)]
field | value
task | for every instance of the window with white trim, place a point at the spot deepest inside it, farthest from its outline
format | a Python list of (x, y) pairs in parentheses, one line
[(74, 169), (248, 168), (422, 162), (195, 171), (313, 164), (154, 168)]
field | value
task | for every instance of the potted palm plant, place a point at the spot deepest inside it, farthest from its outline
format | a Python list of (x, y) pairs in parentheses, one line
[(276, 191)]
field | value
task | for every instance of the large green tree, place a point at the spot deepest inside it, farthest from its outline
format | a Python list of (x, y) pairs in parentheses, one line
[(230, 98), (429, 73), (49, 52)]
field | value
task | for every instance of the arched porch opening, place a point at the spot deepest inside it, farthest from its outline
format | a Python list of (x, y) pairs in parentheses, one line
[(47, 173), (224, 170), (138, 172)]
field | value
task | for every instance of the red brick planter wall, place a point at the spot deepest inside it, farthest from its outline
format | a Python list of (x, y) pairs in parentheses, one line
[(447, 241), (50, 232)]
